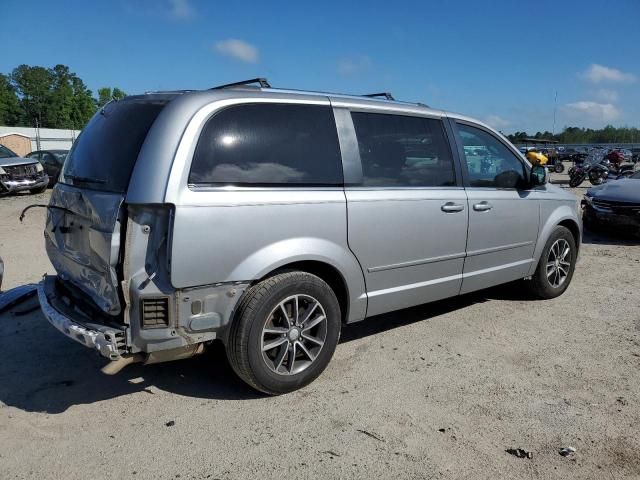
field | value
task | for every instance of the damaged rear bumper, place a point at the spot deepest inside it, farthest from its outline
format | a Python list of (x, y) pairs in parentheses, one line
[(107, 341)]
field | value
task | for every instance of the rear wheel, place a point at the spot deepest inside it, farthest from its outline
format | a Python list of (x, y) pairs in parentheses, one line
[(558, 167), (557, 263), (284, 332), (597, 177)]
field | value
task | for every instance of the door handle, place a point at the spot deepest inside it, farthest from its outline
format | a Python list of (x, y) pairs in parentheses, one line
[(482, 206), (451, 207)]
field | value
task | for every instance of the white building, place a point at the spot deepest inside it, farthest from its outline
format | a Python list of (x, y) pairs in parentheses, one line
[(41, 139)]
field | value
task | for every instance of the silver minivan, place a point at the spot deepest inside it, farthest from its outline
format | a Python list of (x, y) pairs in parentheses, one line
[(267, 218)]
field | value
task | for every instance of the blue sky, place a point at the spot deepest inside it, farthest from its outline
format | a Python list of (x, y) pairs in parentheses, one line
[(501, 61)]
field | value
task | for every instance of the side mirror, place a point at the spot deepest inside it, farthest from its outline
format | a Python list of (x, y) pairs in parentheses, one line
[(539, 175)]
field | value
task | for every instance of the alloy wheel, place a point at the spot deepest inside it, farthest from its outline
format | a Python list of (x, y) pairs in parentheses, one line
[(293, 334), (558, 262)]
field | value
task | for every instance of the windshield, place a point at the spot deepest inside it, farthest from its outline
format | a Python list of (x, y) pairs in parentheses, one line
[(6, 153), (595, 156), (103, 156)]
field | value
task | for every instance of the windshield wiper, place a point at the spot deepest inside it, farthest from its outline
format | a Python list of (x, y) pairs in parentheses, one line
[(79, 178)]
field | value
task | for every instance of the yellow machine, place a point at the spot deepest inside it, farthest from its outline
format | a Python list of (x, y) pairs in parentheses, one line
[(536, 158)]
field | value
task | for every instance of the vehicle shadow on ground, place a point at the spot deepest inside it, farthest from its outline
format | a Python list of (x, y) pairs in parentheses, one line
[(43, 371)]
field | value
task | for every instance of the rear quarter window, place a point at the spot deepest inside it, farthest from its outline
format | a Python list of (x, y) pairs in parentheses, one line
[(268, 144)]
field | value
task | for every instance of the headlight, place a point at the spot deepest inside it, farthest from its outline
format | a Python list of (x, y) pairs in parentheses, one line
[(39, 167), (2, 172)]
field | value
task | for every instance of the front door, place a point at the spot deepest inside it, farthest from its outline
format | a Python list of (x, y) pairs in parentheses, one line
[(407, 214), (503, 213)]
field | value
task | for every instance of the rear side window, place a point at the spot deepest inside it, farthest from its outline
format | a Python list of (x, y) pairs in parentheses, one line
[(103, 156), (403, 151), (268, 144)]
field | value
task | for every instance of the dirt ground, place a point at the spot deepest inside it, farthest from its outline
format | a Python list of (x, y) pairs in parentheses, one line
[(437, 391)]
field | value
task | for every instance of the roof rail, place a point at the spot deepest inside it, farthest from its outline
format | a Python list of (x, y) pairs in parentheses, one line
[(386, 95), (263, 82)]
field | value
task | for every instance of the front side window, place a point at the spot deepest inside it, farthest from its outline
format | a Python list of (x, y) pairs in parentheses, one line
[(403, 151), (489, 162), (268, 144)]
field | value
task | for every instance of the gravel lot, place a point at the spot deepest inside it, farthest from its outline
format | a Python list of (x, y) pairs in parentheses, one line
[(438, 391)]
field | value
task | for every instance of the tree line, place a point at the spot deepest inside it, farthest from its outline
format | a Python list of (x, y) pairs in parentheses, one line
[(608, 134), (57, 98), (49, 97)]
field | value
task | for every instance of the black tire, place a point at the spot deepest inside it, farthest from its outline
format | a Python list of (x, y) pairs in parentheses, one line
[(540, 285), (577, 179), (38, 190), (244, 345), (558, 167)]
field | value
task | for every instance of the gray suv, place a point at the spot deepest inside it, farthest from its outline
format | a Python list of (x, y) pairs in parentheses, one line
[(18, 174), (267, 218)]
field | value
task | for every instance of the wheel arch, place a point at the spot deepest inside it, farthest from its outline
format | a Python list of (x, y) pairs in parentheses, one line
[(328, 273), (574, 228), (565, 216), (330, 261)]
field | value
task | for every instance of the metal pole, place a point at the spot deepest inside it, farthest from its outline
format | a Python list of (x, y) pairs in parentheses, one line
[(555, 107), (37, 135)]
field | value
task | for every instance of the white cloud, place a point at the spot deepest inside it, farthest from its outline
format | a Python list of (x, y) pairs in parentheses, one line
[(181, 9), (589, 112), (238, 49), (608, 96), (599, 73), (497, 122), (353, 65)]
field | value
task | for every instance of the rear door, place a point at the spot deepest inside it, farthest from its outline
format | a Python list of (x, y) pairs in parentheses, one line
[(407, 210), (85, 217), (503, 213)]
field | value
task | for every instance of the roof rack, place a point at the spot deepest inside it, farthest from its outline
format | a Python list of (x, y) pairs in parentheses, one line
[(386, 95), (263, 82)]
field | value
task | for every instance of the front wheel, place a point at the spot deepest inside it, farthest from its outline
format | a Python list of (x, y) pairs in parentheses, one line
[(558, 167), (556, 265), (284, 333), (576, 179)]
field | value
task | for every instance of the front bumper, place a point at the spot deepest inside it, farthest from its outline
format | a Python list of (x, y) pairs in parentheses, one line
[(607, 217), (11, 185), (107, 341)]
